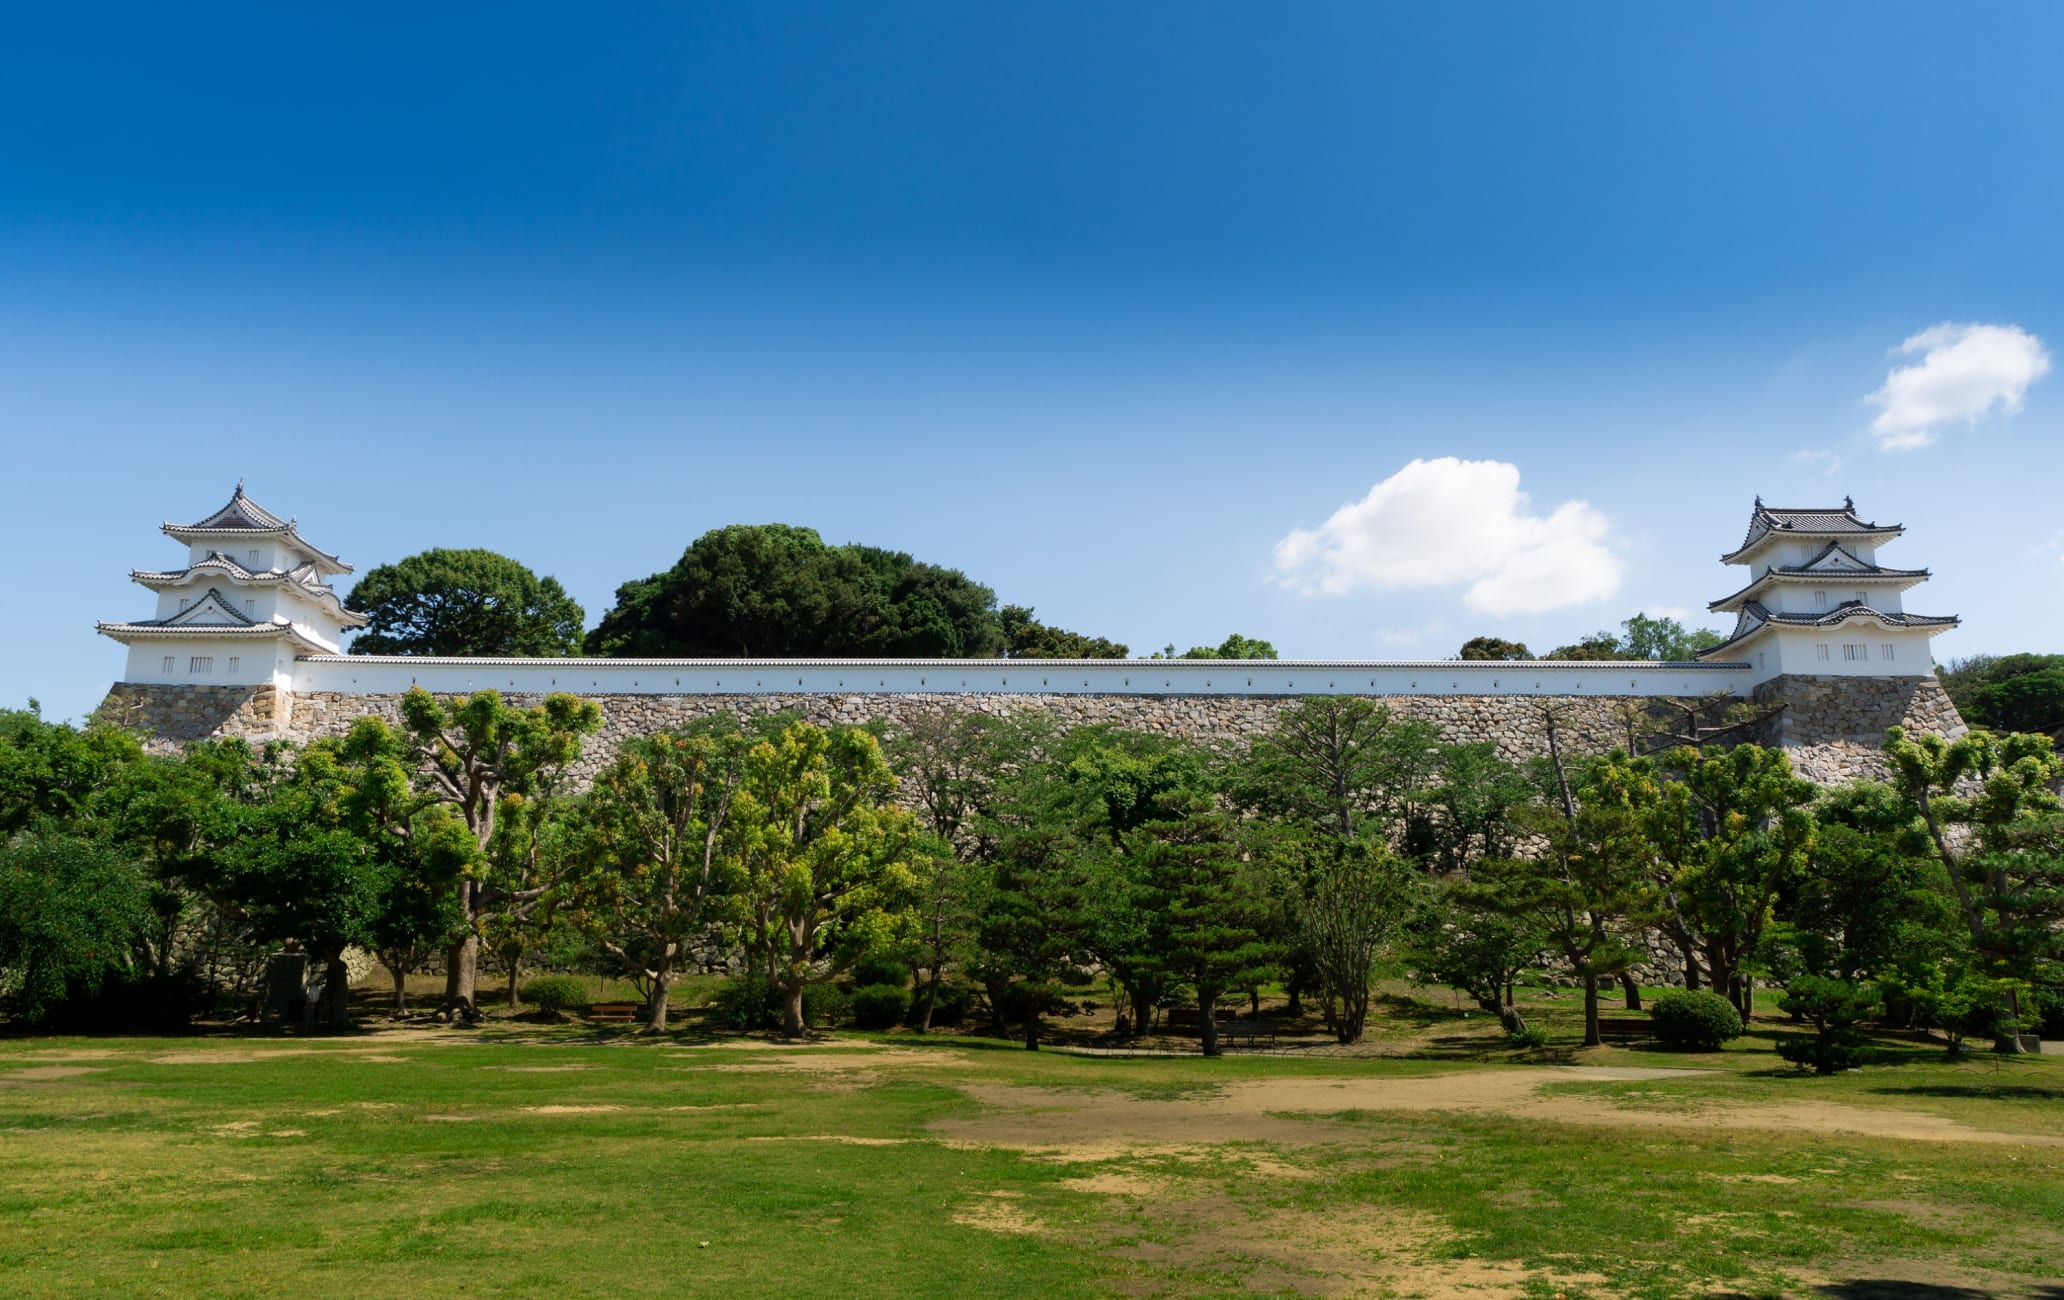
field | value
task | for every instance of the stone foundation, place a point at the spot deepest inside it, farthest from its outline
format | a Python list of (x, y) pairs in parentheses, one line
[(1832, 725)]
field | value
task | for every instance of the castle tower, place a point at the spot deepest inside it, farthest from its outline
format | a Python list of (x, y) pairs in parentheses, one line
[(1818, 603), (252, 596)]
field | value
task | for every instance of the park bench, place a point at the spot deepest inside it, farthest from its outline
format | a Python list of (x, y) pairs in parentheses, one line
[(619, 1013), (1250, 1032), (1624, 1028), (1186, 1018)]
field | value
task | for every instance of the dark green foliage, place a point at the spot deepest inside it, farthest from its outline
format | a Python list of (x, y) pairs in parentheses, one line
[(555, 993), (52, 771), (950, 1008), (1494, 647), (747, 1002), (777, 591), (1531, 1037), (1694, 1020), (826, 1005), (2017, 692), (1834, 1008), (1643, 638), (1233, 647), (880, 967), (464, 602), (73, 914), (880, 1006), (1025, 637)]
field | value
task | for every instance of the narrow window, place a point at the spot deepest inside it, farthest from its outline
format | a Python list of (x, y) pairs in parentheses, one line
[(232, 663), (250, 605), (168, 665), (1862, 599), (1885, 650), (1820, 600), (1759, 659), (253, 565), (1820, 653), (183, 603), (201, 665)]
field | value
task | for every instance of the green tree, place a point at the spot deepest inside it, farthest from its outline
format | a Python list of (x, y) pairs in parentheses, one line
[(1834, 1008), (777, 591), (1586, 888), (1025, 637), (464, 602), (661, 849), (1494, 647), (823, 857), (1339, 765), (467, 753), (1478, 950), (951, 765), (1732, 830), (1205, 905), (1233, 647), (2001, 845), (74, 913), (2017, 692), (1352, 902), (51, 772)]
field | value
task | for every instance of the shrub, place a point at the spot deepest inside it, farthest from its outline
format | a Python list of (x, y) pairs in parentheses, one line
[(747, 1002), (823, 1004), (1833, 1007), (1694, 1020), (1532, 1037), (555, 993), (880, 1006), (950, 1007), (881, 968)]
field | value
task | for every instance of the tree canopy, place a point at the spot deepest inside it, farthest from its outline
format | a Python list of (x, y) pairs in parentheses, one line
[(778, 591), (1641, 637), (464, 602)]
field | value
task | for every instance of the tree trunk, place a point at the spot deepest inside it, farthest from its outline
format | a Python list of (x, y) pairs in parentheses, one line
[(1591, 1036), (400, 974), (1032, 1030), (461, 971), (515, 974), (1207, 1020), (931, 1004), (792, 1010), (662, 983), (1632, 990), (337, 991)]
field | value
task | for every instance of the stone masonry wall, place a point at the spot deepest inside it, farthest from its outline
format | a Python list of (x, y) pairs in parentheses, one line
[(1835, 727), (1832, 725)]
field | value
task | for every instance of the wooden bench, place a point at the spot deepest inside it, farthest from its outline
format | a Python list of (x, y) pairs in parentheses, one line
[(1250, 1032), (614, 1013), (1179, 1018), (1624, 1028)]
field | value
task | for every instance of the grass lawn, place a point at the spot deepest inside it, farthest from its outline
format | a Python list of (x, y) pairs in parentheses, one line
[(521, 1160)]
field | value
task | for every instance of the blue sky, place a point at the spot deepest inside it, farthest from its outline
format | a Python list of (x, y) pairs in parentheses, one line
[(1098, 303)]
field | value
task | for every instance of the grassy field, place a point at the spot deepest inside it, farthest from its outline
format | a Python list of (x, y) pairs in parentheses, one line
[(529, 1160)]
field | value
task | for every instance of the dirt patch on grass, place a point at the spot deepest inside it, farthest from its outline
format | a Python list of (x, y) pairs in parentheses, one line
[(1256, 1111), (571, 1110), (998, 1212), (1343, 1251), (537, 1069), (47, 1073)]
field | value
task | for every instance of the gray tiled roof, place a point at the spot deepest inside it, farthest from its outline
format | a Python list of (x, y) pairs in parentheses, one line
[(1808, 521)]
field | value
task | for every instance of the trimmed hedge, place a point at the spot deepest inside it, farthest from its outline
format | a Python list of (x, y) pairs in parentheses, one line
[(555, 992), (1694, 1021), (880, 1006)]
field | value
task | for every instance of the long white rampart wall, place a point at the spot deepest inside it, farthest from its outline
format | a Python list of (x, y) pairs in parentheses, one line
[(382, 675)]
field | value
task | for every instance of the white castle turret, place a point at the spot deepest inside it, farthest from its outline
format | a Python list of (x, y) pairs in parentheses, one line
[(251, 598), (1819, 603)]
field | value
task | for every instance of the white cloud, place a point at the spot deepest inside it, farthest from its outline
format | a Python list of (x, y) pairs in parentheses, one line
[(1678, 612), (1819, 458), (1438, 523), (1965, 373)]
